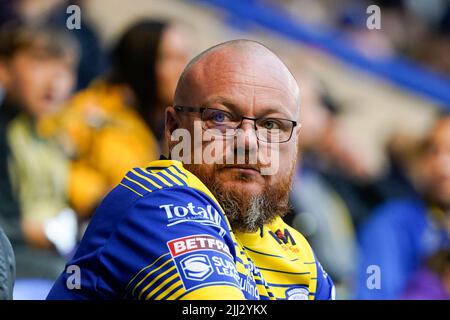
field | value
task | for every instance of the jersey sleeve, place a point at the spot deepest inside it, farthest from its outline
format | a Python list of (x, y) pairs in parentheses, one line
[(173, 244), (325, 286)]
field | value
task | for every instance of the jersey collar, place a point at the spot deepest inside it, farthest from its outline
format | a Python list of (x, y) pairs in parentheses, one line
[(163, 162)]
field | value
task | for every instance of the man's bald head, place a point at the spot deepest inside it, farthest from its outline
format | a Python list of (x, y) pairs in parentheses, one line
[(239, 54), (243, 86)]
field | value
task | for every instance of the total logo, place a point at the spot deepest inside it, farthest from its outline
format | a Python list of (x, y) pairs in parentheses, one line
[(202, 214), (196, 267)]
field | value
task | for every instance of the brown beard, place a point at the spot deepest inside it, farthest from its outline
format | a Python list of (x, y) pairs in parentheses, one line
[(247, 214)]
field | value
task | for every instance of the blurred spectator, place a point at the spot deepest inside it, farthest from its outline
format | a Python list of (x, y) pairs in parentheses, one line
[(334, 190), (159, 52), (37, 66), (92, 60), (431, 282), (398, 179), (402, 233), (7, 267), (320, 213), (331, 151), (113, 125)]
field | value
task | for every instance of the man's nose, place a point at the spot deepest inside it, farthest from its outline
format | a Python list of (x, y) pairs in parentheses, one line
[(246, 136)]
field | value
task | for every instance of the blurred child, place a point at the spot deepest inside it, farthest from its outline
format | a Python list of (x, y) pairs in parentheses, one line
[(37, 66), (54, 13)]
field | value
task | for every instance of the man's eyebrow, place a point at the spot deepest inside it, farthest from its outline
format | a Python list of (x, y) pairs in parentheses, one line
[(219, 99), (277, 109)]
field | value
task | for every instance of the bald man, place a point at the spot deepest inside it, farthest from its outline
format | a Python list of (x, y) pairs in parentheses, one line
[(206, 221)]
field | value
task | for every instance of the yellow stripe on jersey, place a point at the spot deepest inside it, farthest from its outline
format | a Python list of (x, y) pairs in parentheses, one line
[(167, 173), (149, 274), (174, 291), (137, 183), (146, 267), (177, 294), (262, 290), (156, 279), (161, 177), (168, 290), (192, 180), (146, 179), (164, 177), (177, 174), (131, 189)]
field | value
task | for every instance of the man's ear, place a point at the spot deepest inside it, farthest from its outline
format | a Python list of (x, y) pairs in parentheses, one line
[(298, 129), (172, 123)]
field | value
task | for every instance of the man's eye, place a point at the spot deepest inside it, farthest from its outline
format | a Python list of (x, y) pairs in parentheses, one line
[(220, 117), (271, 125)]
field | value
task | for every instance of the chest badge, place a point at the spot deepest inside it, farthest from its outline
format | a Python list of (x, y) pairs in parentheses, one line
[(297, 293)]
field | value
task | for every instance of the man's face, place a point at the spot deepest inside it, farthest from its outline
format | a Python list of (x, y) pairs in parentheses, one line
[(255, 87), (437, 164), (38, 83)]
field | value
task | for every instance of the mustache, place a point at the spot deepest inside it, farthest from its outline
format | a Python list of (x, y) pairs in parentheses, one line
[(244, 162), (241, 166)]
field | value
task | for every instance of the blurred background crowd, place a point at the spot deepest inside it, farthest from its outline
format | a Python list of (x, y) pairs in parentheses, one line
[(80, 107)]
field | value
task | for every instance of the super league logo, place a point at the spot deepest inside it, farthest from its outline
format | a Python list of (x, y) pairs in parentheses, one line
[(196, 267)]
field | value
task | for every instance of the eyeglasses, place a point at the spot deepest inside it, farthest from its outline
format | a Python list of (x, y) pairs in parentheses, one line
[(225, 123)]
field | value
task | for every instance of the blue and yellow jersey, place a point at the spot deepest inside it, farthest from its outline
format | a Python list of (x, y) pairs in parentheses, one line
[(161, 234)]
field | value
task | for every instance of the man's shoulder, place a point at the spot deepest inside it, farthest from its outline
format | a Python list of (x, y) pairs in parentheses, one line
[(156, 200), (165, 188), (161, 177), (147, 180)]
